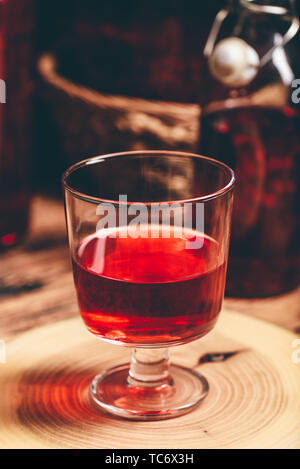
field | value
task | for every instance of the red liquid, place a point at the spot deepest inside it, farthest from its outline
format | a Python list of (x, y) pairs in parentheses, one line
[(16, 60), (149, 290), (262, 145)]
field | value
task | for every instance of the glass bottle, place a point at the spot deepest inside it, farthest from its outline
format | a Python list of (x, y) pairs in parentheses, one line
[(251, 121), (16, 25)]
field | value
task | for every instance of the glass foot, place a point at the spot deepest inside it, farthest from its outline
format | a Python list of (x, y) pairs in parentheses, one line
[(114, 392)]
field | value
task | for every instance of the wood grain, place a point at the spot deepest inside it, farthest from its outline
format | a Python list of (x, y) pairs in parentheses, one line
[(253, 400)]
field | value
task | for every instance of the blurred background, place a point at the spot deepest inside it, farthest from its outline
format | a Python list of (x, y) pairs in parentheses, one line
[(90, 77), (133, 49)]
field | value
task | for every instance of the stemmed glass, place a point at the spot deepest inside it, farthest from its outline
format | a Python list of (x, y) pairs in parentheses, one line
[(149, 234)]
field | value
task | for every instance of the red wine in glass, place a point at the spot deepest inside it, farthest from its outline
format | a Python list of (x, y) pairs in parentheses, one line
[(149, 290), (149, 235)]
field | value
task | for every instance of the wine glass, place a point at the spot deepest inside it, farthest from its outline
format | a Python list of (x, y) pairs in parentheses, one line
[(149, 235)]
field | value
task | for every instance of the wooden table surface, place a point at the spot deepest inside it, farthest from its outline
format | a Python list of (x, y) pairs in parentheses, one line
[(36, 285), (44, 396)]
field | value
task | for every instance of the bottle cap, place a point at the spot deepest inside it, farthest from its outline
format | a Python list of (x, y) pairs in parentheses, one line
[(233, 62)]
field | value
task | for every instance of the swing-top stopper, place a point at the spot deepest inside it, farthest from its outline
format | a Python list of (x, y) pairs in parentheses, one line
[(233, 62)]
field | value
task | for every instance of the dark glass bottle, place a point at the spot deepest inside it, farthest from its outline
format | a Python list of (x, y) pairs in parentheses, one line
[(251, 122), (16, 25)]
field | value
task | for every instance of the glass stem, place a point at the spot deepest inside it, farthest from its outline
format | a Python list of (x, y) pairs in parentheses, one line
[(149, 367)]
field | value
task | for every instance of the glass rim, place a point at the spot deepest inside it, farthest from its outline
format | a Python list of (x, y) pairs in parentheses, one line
[(96, 159)]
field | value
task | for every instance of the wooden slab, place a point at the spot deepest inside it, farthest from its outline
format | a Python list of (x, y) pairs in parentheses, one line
[(253, 400)]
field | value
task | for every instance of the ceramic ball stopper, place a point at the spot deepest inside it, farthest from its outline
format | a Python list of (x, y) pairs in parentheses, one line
[(233, 62)]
